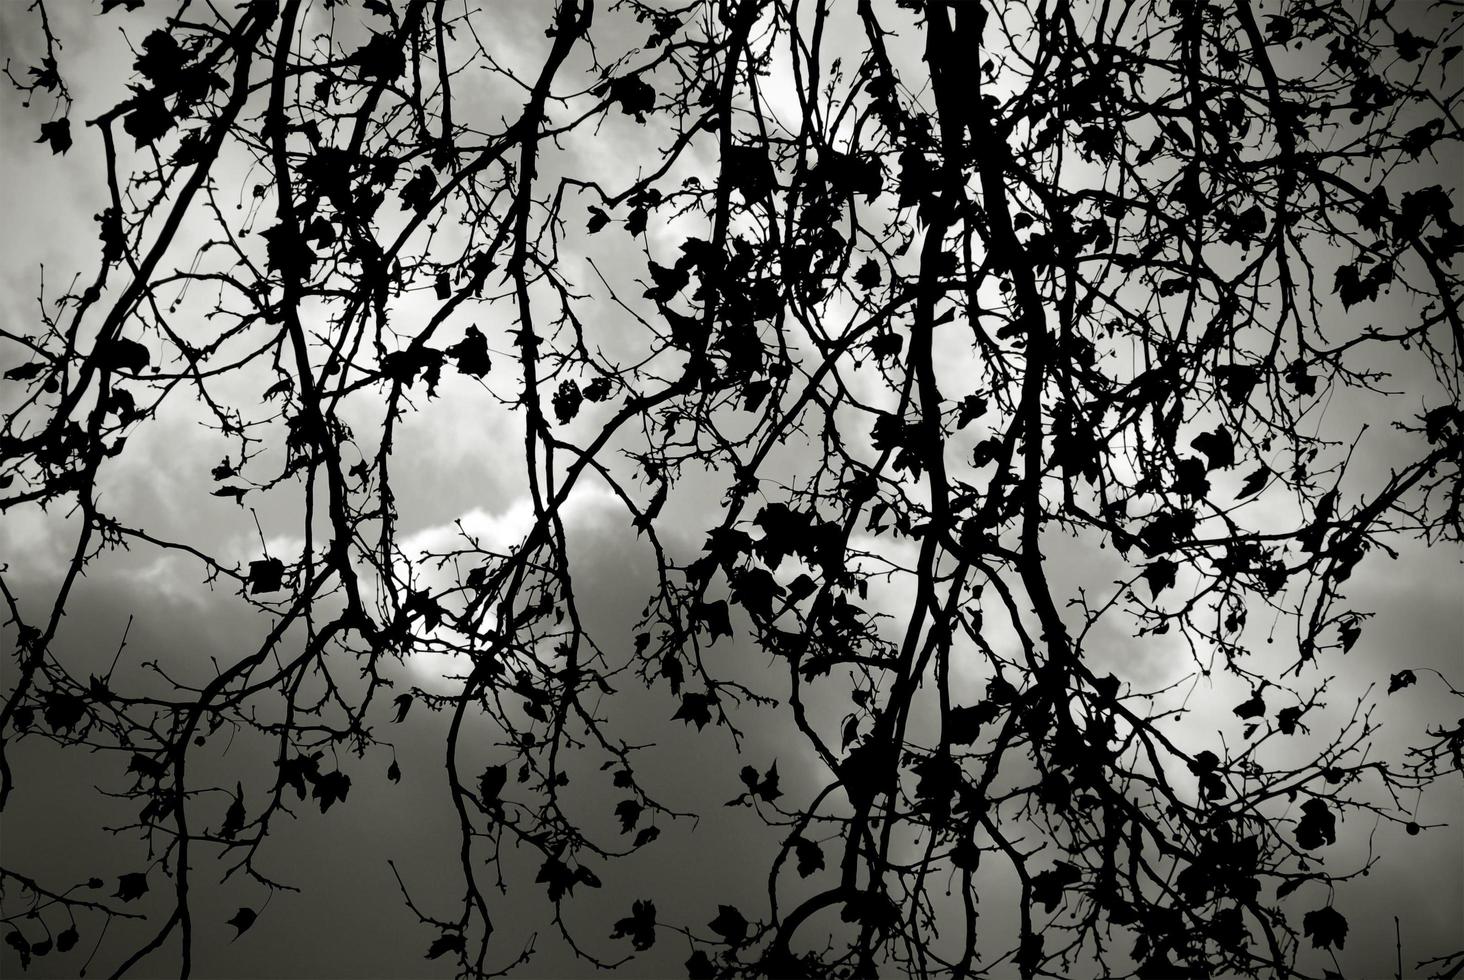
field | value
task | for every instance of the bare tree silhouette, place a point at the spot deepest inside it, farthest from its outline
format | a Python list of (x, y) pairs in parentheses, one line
[(1041, 316)]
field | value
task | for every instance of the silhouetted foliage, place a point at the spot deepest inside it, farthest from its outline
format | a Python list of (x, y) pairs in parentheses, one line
[(979, 335)]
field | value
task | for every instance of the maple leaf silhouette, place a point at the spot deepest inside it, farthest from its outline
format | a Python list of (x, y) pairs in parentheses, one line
[(972, 408), (417, 193), (470, 353), (558, 877), (1252, 708), (767, 789), (628, 811), (63, 712), (810, 856), (635, 96), (381, 57), (491, 783), (266, 575), (1237, 381), (1205, 765), (966, 855), (297, 771), (714, 616), (1318, 825), (1190, 480), (403, 704), (242, 920), (1218, 447), (448, 942), (1300, 378), (287, 252), (1254, 482), (132, 886), (754, 589), (57, 133), (1327, 928), (963, 724), (747, 169), (330, 788), (699, 966), (695, 709), (149, 119), (1160, 575), (162, 58), (639, 926), (1048, 886), (234, 818), (121, 354), (861, 770), (635, 222), (730, 925)]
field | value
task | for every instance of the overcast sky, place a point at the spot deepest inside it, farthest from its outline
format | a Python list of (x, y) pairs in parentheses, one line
[(458, 461)]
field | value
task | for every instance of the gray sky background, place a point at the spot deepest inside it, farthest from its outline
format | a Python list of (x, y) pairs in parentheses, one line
[(458, 459)]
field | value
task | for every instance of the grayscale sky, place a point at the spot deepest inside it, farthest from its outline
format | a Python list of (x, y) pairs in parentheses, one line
[(458, 462)]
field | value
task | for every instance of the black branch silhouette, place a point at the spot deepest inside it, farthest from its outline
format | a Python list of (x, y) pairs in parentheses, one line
[(945, 359)]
